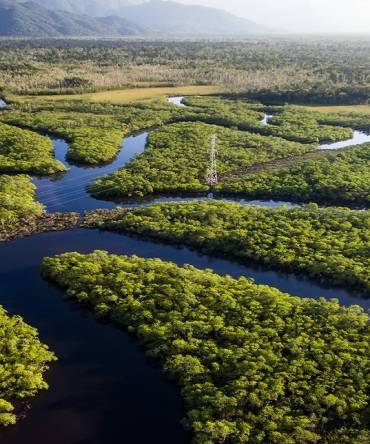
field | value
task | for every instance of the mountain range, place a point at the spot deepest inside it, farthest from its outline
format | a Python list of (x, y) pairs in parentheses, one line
[(32, 20), (58, 18), (93, 8), (168, 17)]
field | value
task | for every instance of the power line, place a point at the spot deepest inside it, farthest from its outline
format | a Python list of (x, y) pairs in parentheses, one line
[(96, 173), (75, 198), (212, 178)]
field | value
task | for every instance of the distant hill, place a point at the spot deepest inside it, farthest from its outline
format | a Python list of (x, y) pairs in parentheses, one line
[(32, 20), (40, 18), (168, 17), (94, 8)]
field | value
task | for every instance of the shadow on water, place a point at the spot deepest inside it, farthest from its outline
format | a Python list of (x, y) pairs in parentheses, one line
[(67, 192), (103, 389), (102, 386)]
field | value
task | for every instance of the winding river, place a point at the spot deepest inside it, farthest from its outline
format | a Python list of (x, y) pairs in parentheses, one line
[(357, 138), (103, 389), (67, 191)]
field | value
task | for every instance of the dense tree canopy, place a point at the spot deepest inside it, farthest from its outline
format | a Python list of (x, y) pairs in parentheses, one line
[(177, 157), (95, 130), (23, 360), (93, 139), (328, 243), (17, 200), (23, 151), (337, 177), (21, 215), (291, 123), (254, 365)]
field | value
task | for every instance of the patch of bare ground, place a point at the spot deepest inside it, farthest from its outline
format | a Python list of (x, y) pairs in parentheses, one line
[(39, 224), (94, 219)]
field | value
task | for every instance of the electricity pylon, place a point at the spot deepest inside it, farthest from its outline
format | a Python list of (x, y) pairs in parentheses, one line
[(212, 178)]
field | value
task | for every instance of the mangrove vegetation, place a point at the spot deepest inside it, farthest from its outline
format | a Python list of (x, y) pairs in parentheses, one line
[(23, 151), (177, 157), (23, 362), (21, 215), (328, 244), (336, 177), (254, 365)]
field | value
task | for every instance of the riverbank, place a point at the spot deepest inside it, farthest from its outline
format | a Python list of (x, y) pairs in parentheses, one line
[(31, 225), (299, 240), (102, 381), (233, 346)]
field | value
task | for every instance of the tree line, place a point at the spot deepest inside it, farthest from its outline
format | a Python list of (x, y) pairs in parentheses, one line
[(277, 70), (325, 243)]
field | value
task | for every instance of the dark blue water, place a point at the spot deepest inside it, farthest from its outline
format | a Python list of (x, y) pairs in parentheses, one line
[(68, 191), (103, 390)]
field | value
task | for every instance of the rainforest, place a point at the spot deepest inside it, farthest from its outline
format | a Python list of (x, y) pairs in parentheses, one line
[(246, 357), (323, 242), (185, 240)]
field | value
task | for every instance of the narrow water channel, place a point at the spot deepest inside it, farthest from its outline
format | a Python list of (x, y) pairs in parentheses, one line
[(103, 389), (266, 119), (358, 137), (67, 192), (177, 100)]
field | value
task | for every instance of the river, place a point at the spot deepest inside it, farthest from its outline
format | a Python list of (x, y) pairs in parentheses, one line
[(357, 138), (103, 389)]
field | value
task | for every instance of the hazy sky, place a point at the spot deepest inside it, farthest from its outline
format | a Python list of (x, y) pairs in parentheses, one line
[(301, 15)]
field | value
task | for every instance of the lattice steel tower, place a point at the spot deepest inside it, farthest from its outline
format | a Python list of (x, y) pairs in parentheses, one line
[(212, 178)]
